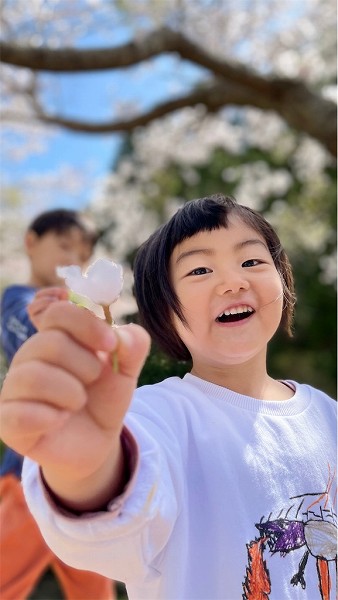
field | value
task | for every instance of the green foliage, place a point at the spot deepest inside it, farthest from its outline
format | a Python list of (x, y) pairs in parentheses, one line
[(311, 355), (158, 366)]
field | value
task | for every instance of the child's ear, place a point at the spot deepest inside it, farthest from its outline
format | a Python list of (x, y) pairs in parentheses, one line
[(30, 241)]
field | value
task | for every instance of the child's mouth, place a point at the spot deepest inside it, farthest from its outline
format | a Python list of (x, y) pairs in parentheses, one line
[(235, 314)]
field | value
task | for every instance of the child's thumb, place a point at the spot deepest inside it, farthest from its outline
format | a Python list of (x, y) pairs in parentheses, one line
[(110, 397), (132, 349)]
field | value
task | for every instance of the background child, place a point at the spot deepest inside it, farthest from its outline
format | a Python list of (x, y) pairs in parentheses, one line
[(219, 485), (57, 237)]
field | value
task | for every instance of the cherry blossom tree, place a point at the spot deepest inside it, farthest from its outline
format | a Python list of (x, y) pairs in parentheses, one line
[(269, 55)]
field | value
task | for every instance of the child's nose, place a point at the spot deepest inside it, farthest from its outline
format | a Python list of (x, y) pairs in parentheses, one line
[(233, 282)]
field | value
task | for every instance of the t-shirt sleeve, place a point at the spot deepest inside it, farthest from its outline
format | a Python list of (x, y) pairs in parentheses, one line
[(16, 326), (125, 541)]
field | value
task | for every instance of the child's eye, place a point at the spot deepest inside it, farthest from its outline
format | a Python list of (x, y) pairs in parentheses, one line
[(200, 271), (252, 262)]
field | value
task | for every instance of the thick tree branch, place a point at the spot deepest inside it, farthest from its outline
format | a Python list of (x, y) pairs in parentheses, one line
[(301, 109), (232, 85), (119, 57)]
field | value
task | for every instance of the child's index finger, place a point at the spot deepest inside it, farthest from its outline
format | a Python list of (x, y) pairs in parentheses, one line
[(60, 293), (82, 325)]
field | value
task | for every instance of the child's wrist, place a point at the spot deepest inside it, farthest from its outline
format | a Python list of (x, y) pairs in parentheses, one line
[(78, 497)]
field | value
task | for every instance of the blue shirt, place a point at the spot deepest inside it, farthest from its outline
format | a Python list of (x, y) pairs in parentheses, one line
[(16, 328)]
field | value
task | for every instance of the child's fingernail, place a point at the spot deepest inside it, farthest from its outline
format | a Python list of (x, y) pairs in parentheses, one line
[(110, 339), (124, 336), (115, 335)]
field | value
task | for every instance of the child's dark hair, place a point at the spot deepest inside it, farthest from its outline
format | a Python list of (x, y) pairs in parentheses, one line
[(154, 292), (62, 220)]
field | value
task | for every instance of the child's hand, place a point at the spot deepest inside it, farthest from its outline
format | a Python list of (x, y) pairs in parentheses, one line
[(43, 298), (62, 404)]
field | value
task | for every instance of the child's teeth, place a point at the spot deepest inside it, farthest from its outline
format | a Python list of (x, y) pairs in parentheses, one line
[(235, 311)]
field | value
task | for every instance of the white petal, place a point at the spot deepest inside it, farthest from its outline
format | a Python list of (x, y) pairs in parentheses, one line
[(73, 270), (102, 283)]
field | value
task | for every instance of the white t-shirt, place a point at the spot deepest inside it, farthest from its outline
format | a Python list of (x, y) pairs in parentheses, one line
[(232, 498)]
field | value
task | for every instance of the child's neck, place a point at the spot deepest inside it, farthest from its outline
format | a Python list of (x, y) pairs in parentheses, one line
[(247, 379), (35, 281)]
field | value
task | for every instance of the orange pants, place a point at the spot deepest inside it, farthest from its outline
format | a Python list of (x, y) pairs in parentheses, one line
[(24, 555)]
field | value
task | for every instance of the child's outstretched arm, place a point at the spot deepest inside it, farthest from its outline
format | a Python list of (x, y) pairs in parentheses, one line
[(63, 406)]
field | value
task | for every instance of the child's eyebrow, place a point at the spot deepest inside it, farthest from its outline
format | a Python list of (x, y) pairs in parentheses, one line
[(206, 251), (252, 242), (210, 252)]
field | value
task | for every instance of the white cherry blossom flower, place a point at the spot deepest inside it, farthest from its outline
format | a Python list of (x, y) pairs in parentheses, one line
[(102, 283)]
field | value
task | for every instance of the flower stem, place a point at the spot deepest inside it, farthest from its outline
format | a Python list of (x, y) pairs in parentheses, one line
[(109, 319), (107, 314)]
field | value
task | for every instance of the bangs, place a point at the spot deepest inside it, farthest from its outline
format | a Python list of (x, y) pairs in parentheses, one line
[(205, 214)]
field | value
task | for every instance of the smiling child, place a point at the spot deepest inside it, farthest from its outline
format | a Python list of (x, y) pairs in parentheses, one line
[(219, 485)]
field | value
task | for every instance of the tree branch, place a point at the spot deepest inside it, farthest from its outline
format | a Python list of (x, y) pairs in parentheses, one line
[(132, 53), (232, 85), (303, 110)]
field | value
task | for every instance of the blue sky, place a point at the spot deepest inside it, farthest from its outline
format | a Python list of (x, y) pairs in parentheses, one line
[(92, 96)]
